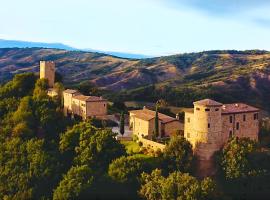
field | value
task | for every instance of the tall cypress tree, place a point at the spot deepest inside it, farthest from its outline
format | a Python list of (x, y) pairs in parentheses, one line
[(122, 124), (156, 132)]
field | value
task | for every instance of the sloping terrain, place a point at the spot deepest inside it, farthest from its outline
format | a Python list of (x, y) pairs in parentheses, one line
[(223, 75)]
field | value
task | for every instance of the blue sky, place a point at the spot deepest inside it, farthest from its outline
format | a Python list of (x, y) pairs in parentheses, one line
[(150, 27)]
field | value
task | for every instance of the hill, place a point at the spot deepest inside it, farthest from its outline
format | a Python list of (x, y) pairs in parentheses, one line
[(227, 76), (29, 44)]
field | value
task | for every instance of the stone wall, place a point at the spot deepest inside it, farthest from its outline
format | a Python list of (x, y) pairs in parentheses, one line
[(172, 127), (151, 144), (248, 126), (96, 108), (79, 108)]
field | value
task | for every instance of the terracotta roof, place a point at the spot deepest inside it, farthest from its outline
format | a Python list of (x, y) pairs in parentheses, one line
[(146, 114), (88, 98), (238, 108), (70, 91), (207, 102)]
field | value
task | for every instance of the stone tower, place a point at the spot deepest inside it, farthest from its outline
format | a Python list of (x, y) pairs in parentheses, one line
[(47, 71), (207, 128)]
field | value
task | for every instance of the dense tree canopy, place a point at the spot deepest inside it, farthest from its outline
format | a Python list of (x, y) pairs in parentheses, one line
[(44, 155), (127, 169), (178, 154), (77, 180), (25, 168), (236, 161), (176, 186)]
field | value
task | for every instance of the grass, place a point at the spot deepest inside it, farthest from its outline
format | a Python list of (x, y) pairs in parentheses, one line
[(131, 147)]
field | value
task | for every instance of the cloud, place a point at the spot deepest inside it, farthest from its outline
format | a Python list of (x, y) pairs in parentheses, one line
[(263, 22), (220, 7)]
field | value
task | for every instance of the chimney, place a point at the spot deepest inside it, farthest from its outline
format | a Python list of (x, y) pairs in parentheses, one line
[(177, 116), (144, 107)]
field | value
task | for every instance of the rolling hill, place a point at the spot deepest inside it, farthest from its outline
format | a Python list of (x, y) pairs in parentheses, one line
[(226, 76), (29, 44)]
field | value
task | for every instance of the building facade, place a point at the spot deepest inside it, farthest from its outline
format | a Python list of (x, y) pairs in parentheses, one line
[(84, 106), (142, 123), (47, 71), (210, 125), (52, 92)]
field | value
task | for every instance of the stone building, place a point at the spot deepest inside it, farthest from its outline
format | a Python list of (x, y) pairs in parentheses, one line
[(210, 125), (52, 92), (47, 71), (142, 123), (84, 106)]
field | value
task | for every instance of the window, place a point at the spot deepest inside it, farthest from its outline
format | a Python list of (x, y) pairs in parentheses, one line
[(104, 105), (237, 126), (230, 134), (244, 118), (208, 125), (256, 116), (198, 109), (207, 109), (188, 135), (230, 119), (217, 109), (188, 120)]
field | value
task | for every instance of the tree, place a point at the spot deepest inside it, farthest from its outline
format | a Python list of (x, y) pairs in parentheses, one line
[(126, 169), (41, 87), (24, 119), (151, 185), (71, 138), (59, 88), (77, 180), (156, 130), (176, 186), (178, 154), (20, 86), (98, 150), (122, 124), (235, 158), (95, 147), (25, 169)]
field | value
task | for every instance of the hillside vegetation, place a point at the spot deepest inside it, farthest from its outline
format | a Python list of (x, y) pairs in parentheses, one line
[(226, 76)]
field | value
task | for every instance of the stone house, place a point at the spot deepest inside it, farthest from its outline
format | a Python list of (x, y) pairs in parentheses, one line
[(142, 123), (210, 125), (84, 106)]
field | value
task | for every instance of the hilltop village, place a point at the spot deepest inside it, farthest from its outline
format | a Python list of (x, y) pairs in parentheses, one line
[(208, 126)]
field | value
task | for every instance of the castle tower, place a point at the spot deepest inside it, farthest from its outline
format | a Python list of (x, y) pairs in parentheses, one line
[(207, 128), (47, 71)]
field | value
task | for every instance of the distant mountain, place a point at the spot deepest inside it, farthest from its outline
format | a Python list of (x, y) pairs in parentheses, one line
[(226, 76), (25, 44)]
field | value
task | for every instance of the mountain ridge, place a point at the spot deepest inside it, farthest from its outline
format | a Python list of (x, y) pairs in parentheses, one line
[(227, 76), (28, 44)]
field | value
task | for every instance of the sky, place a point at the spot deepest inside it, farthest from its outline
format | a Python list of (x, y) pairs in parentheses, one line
[(149, 27)]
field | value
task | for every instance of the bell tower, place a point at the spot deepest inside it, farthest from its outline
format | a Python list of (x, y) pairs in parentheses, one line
[(47, 71)]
